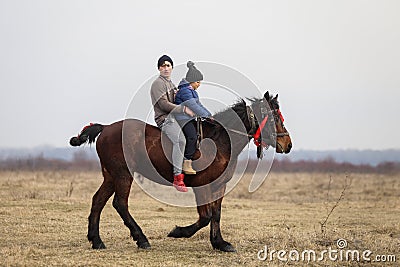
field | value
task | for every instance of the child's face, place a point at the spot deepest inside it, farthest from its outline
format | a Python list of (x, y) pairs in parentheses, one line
[(195, 85)]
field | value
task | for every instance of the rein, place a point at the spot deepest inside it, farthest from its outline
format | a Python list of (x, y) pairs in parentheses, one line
[(240, 132), (251, 119)]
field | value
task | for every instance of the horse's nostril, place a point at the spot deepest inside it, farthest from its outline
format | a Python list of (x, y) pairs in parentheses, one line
[(289, 147)]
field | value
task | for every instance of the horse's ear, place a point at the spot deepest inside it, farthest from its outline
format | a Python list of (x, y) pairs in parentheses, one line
[(266, 96), (276, 97)]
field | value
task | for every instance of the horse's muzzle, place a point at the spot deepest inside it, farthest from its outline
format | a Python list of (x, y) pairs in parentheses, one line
[(282, 148)]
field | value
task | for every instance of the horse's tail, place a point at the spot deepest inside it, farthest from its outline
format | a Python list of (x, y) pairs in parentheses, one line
[(88, 133)]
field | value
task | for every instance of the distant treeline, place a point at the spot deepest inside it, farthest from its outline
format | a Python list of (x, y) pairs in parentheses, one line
[(81, 162), (326, 165)]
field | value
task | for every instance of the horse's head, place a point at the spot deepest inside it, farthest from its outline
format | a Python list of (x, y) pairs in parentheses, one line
[(269, 121)]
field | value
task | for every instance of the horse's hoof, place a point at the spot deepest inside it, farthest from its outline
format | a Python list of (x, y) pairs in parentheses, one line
[(99, 246), (228, 248), (225, 247), (176, 232), (144, 245)]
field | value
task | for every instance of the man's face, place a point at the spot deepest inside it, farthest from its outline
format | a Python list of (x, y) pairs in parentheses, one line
[(166, 69)]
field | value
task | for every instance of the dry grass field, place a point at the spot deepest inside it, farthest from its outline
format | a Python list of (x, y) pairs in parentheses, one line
[(43, 222)]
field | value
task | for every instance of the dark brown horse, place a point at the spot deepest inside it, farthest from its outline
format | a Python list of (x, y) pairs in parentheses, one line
[(131, 145)]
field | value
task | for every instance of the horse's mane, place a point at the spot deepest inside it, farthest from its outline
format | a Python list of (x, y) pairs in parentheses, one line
[(273, 102), (226, 116)]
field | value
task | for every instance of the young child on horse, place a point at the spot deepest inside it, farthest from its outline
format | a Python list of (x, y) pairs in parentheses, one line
[(187, 96)]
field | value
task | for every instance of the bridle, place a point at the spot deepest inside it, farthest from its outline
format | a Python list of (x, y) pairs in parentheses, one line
[(269, 117), (255, 131)]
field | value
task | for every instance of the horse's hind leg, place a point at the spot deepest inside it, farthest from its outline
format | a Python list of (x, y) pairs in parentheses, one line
[(99, 200), (120, 203)]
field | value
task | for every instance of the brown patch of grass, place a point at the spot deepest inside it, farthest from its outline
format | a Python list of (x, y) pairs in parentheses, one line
[(43, 221)]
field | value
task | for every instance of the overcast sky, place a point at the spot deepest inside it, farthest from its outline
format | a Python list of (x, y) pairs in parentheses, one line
[(335, 64)]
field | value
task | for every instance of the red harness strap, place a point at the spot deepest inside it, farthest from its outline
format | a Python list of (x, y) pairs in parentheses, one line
[(256, 136), (280, 115)]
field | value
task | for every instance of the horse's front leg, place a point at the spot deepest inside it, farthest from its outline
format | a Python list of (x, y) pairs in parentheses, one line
[(203, 197), (215, 231), (188, 231)]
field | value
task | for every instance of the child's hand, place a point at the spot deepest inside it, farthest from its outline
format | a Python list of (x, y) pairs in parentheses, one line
[(188, 111)]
